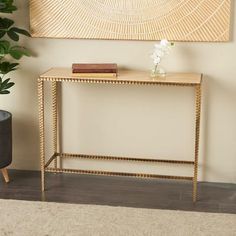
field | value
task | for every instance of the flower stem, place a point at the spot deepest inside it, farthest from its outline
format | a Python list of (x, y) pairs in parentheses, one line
[(155, 68)]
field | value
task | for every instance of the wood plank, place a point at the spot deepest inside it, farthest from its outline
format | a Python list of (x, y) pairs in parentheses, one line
[(120, 191)]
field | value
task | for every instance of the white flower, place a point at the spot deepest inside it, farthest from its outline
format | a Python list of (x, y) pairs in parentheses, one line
[(156, 60), (165, 43), (160, 50)]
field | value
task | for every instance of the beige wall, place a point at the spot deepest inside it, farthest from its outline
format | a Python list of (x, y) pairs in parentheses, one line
[(130, 120)]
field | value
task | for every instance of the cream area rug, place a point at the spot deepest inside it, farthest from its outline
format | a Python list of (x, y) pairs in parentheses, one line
[(24, 218)]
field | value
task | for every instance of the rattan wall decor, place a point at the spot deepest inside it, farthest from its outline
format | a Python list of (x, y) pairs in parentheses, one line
[(176, 20)]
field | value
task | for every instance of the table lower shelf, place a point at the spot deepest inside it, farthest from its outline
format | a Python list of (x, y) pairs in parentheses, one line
[(110, 173)]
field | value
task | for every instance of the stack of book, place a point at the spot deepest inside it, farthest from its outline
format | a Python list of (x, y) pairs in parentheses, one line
[(95, 70)]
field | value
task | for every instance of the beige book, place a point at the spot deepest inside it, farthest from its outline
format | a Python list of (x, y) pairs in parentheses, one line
[(95, 75)]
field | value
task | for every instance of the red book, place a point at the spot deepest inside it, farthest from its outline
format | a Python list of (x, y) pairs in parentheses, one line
[(94, 68)]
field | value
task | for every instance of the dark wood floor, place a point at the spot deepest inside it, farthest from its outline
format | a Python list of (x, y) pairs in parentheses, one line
[(120, 191)]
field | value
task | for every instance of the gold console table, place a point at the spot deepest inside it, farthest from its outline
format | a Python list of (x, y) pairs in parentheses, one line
[(58, 75)]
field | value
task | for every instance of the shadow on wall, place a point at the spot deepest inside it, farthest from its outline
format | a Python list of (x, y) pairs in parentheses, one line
[(203, 154), (25, 142), (25, 122), (222, 138)]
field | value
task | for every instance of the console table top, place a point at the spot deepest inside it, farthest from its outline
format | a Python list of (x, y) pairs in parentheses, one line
[(125, 77)]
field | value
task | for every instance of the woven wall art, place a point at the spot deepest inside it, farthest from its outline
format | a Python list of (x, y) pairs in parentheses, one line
[(177, 20)]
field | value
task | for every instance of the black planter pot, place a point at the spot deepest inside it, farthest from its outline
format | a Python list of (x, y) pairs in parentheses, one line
[(5, 139)]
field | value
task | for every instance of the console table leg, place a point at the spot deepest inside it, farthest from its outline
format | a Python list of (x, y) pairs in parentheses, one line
[(59, 123), (197, 133), (54, 119), (41, 131)]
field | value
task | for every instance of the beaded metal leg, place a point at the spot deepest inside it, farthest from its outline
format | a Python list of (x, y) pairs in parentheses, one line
[(197, 132), (55, 121), (41, 131)]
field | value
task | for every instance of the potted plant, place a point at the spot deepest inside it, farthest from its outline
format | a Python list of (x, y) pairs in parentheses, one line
[(10, 52)]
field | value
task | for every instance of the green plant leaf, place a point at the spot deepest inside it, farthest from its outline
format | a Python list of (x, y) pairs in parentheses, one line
[(13, 35), (7, 28), (6, 6), (4, 83), (17, 52), (21, 31), (4, 47), (2, 5), (4, 92), (12, 32), (6, 67), (9, 85), (2, 51), (2, 33), (5, 44), (12, 66), (5, 23)]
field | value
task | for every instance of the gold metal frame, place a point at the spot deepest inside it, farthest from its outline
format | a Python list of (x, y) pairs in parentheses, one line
[(60, 156)]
